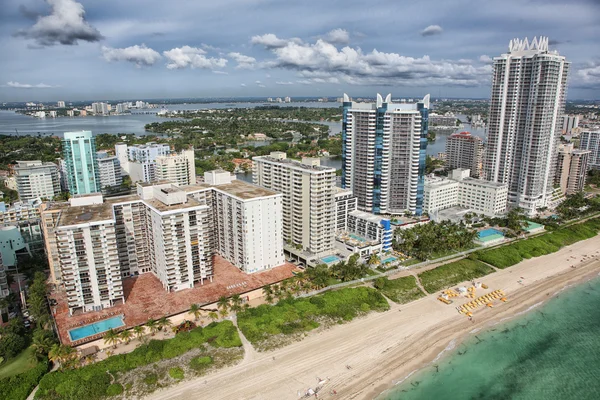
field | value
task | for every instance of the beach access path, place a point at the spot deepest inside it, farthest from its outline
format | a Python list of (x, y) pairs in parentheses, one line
[(382, 348)]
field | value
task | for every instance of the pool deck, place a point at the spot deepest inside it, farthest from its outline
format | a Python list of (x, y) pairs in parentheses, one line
[(145, 297)]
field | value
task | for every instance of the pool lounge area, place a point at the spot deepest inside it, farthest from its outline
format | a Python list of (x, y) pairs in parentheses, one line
[(388, 260), (96, 328)]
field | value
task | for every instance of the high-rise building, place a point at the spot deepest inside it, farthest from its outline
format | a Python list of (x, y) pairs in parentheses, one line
[(179, 169), (110, 171), (308, 199), (590, 140), (345, 203), (172, 232), (81, 162), (571, 168), (100, 108), (383, 154), (570, 122), (60, 104), (36, 179), (529, 86), (464, 150), (4, 287)]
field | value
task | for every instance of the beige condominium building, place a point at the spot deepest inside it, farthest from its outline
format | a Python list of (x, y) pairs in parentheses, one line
[(178, 169), (465, 151), (571, 168), (36, 179), (167, 230), (308, 199)]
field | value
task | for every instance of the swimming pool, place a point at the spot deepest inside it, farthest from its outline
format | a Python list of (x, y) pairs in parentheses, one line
[(356, 237), (330, 259), (489, 234), (389, 260), (96, 327)]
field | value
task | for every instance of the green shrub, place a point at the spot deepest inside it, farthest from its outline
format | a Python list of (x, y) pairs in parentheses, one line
[(292, 316), (401, 290), (114, 390), (450, 274), (19, 386), (200, 363), (151, 379), (176, 373), (91, 382)]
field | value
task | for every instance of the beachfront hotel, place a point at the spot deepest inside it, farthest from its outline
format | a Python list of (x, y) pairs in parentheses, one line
[(383, 154), (167, 230), (529, 86), (308, 199), (81, 162)]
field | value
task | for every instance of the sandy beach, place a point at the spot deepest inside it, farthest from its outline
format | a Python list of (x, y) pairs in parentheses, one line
[(383, 348)]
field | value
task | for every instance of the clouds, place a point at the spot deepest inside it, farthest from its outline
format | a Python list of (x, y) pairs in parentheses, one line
[(284, 83), (486, 59), (65, 25), (324, 63), (243, 61), (338, 36), (432, 30), (588, 76), (17, 85), (139, 55), (271, 41), (193, 57)]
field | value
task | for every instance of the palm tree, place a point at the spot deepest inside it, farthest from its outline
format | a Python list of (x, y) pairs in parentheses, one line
[(268, 293), (223, 313), (56, 353), (152, 325), (213, 315), (42, 343), (112, 338), (65, 355), (236, 303), (223, 304), (138, 331), (164, 322), (126, 336), (374, 259), (195, 311)]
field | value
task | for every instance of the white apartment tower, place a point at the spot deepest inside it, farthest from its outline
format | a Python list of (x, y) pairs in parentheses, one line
[(465, 151), (110, 171), (308, 199), (590, 140), (36, 179), (383, 154), (529, 86), (178, 169)]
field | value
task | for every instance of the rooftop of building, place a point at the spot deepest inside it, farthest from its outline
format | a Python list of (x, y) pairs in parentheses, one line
[(482, 182), (296, 163), (237, 188), (162, 207), (33, 164), (367, 216), (85, 214)]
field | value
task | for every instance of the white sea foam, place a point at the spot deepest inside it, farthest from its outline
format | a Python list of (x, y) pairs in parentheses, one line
[(536, 305), (450, 346), (475, 330), (406, 377)]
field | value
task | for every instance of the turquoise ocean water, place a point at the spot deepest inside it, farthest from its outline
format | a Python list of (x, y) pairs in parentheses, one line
[(551, 352)]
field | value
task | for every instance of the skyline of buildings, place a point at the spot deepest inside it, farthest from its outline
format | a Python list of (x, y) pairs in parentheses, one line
[(524, 123)]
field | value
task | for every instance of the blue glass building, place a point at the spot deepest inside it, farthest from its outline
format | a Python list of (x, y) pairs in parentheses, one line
[(81, 162)]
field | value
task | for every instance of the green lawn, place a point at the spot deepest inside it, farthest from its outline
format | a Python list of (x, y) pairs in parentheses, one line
[(401, 290), (20, 363), (448, 275)]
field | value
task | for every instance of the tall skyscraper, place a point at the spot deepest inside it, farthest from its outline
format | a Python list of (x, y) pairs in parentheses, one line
[(529, 86), (571, 168), (590, 140), (36, 179), (81, 162), (308, 199), (464, 151), (383, 154)]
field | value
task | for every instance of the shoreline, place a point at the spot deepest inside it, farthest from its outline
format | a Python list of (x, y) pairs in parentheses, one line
[(383, 348), (382, 394)]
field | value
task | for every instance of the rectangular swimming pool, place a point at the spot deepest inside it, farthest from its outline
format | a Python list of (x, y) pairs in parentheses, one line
[(356, 237), (330, 259), (389, 260), (489, 234), (96, 327)]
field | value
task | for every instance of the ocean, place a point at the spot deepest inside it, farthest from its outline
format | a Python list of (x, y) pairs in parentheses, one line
[(551, 352)]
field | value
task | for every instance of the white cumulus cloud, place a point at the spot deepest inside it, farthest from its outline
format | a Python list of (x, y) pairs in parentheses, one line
[(65, 25), (284, 83), (588, 76), (139, 55), (432, 30), (338, 36), (270, 41), (193, 57), (485, 58), (243, 61)]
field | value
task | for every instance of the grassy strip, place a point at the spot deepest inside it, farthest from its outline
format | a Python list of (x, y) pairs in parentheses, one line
[(452, 273), (21, 363), (548, 243), (18, 387), (401, 290), (92, 381), (294, 316)]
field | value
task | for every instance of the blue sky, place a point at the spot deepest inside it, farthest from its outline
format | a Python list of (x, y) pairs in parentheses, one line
[(73, 50)]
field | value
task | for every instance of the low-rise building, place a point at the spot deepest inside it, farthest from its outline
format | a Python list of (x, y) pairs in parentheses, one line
[(19, 213)]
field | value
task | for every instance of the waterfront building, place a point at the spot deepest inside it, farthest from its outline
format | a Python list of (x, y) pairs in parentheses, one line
[(170, 231), (308, 199), (371, 227), (345, 203), (465, 151), (460, 190), (140, 161), (383, 154), (590, 140), (570, 122), (81, 162), (524, 122), (100, 108), (447, 120), (36, 179), (60, 104), (571, 168), (110, 171)]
